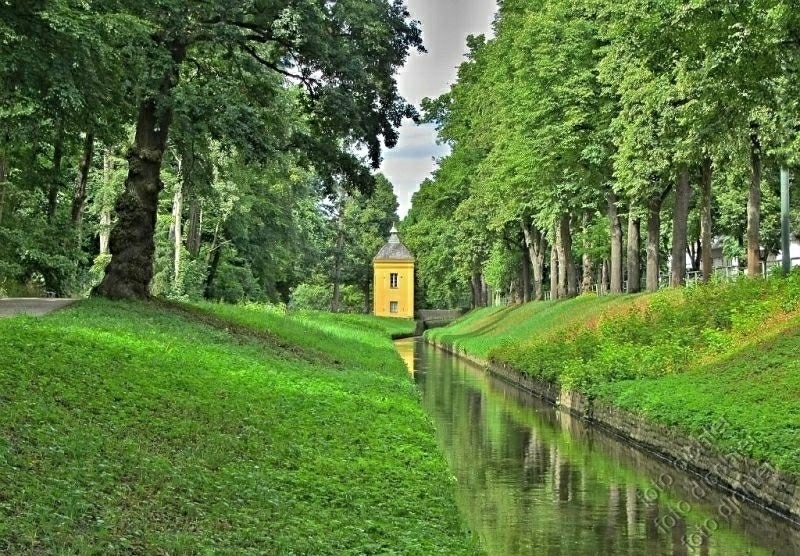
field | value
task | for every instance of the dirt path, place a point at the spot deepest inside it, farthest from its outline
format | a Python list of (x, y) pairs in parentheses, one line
[(31, 305)]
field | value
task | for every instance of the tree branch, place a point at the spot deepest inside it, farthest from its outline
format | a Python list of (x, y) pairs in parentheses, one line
[(309, 82)]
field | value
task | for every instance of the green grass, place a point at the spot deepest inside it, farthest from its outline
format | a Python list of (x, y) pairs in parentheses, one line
[(479, 332), (690, 358), (128, 427)]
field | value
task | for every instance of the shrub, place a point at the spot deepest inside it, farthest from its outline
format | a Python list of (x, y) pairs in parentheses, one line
[(311, 296)]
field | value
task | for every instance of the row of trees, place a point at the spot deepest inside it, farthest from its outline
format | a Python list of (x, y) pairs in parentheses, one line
[(196, 148), (584, 127)]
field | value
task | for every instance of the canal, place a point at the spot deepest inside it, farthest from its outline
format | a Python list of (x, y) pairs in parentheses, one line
[(534, 480)]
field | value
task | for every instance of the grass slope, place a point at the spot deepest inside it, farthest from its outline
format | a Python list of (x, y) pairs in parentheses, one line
[(721, 357), (130, 427)]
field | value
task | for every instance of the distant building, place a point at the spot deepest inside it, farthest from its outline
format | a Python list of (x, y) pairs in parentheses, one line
[(393, 269)]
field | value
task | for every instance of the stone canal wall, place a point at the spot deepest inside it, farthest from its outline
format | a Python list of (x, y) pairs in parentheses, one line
[(748, 480)]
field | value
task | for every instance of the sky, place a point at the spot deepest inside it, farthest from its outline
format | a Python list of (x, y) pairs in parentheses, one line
[(445, 26)]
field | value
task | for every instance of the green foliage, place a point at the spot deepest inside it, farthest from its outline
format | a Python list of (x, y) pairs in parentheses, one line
[(686, 357), (317, 297), (311, 296), (253, 430)]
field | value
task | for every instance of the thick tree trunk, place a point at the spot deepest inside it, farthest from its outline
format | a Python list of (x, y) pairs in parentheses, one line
[(634, 259), (754, 207), (525, 277), (616, 244), (705, 219), (680, 223), (536, 243), (566, 266), (132, 243), (55, 179), (475, 285), (216, 254), (654, 239), (79, 196), (484, 292), (195, 228)]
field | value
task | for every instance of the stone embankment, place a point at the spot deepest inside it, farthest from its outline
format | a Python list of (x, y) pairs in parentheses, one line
[(747, 480)]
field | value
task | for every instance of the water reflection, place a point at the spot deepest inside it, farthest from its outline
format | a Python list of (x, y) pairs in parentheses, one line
[(533, 480)]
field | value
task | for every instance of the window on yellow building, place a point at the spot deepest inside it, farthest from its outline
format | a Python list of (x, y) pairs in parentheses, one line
[(393, 308), (393, 280)]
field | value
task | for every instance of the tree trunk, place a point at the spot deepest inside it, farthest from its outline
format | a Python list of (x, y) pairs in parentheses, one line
[(366, 289), (602, 286), (654, 239), (132, 243), (634, 259), (562, 260), (105, 210), (484, 292), (693, 250), (535, 241), (193, 234), (55, 180), (616, 244), (525, 277), (566, 266), (680, 223), (586, 285), (705, 219), (554, 265), (177, 231), (754, 206), (79, 196), (475, 286), (216, 254), (337, 267), (3, 185)]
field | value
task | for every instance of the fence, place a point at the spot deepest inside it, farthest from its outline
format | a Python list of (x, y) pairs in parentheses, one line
[(692, 277)]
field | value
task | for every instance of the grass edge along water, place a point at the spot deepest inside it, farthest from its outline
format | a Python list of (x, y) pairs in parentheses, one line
[(686, 357)]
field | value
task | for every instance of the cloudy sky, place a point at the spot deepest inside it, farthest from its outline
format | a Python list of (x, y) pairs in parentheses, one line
[(445, 26)]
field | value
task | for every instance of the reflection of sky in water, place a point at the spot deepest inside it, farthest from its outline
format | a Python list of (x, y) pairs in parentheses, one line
[(533, 480)]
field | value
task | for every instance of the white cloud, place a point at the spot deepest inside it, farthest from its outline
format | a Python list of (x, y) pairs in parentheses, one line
[(445, 26), (411, 161)]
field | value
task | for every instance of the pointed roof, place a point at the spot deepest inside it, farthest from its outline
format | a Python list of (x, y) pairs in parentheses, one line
[(393, 249)]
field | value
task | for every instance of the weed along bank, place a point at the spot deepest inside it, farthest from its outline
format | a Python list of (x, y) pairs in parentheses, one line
[(393, 269)]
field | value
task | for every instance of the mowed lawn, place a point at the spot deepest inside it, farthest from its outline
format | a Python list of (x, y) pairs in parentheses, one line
[(146, 428)]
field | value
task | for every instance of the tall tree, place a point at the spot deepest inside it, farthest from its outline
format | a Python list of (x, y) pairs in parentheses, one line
[(343, 55)]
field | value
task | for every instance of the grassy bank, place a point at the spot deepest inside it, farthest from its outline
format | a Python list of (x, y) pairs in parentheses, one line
[(691, 358), (131, 427)]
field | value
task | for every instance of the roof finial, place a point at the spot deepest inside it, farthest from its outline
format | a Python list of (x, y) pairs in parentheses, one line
[(393, 237)]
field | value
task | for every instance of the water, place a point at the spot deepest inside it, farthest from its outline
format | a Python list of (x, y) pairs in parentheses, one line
[(533, 480)]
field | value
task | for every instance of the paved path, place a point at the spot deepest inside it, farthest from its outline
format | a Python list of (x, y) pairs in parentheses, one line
[(31, 305)]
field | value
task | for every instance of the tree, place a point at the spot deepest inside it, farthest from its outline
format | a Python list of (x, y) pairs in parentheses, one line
[(343, 55)]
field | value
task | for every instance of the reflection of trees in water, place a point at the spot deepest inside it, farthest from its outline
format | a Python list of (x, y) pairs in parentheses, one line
[(536, 481)]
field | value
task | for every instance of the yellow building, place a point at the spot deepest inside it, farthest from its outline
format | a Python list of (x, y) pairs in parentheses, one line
[(393, 280)]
